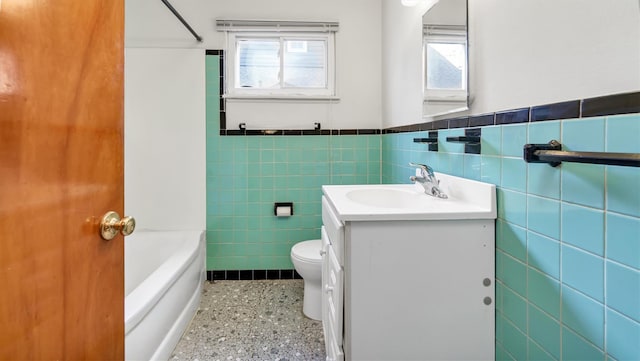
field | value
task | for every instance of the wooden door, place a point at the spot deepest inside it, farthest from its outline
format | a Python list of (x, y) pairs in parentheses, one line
[(61, 169)]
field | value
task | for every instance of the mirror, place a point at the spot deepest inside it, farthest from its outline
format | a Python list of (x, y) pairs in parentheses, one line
[(445, 58)]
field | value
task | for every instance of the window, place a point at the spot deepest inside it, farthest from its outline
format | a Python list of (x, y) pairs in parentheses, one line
[(280, 63), (270, 61), (445, 55)]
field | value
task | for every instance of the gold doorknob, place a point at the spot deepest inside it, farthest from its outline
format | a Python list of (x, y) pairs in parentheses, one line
[(111, 224)]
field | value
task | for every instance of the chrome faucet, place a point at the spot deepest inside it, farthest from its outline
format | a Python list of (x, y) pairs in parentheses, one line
[(428, 180)]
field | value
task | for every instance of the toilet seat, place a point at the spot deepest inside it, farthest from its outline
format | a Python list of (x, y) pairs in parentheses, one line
[(308, 251)]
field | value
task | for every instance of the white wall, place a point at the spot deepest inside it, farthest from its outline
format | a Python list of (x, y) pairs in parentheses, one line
[(149, 24), (543, 51), (165, 169), (528, 52)]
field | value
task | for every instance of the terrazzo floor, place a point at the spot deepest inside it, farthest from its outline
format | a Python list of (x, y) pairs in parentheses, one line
[(251, 320)]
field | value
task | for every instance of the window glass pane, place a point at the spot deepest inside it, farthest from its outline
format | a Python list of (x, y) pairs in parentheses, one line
[(305, 64), (258, 64), (446, 66)]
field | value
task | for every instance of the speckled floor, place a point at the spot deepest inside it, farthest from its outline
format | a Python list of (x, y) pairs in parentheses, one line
[(252, 320)]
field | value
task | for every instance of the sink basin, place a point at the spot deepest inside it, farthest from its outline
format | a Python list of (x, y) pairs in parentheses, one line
[(386, 198), (468, 199)]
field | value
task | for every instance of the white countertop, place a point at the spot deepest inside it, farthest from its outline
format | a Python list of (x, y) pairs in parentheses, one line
[(468, 199)]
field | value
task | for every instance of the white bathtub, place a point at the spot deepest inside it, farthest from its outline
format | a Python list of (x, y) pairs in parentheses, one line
[(164, 272)]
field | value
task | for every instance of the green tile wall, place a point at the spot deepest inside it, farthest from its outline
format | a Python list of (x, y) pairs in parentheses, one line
[(567, 238), (247, 174)]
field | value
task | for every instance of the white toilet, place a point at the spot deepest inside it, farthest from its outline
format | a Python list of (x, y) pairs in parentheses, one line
[(307, 260)]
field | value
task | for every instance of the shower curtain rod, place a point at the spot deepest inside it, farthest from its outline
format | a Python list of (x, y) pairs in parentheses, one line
[(184, 22)]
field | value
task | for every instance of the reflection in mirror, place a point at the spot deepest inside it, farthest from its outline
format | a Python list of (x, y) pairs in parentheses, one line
[(445, 58)]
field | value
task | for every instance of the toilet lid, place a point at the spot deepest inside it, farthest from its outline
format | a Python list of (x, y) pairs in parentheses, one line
[(308, 251)]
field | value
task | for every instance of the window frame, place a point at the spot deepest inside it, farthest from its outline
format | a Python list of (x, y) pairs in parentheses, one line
[(232, 66)]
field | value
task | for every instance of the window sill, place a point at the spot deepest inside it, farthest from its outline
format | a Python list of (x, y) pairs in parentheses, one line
[(446, 99), (280, 98)]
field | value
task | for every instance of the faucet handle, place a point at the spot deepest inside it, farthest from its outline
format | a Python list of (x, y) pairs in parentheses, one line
[(425, 168)]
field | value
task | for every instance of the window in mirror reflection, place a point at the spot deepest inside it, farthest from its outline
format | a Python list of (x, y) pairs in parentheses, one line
[(445, 65)]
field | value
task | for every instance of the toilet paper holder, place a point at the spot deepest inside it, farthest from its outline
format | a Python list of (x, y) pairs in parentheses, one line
[(283, 209)]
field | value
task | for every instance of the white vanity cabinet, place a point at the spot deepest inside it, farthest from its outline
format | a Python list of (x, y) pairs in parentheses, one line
[(417, 289)]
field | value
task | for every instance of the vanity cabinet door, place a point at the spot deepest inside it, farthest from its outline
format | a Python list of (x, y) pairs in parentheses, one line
[(334, 352), (326, 244), (334, 228), (334, 292), (442, 308), (332, 300), (334, 295)]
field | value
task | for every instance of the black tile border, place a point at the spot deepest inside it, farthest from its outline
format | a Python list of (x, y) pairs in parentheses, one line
[(611, 105), (459, 123), (316, 132), (441, 124), (249, 275), (614, 104), (369, 131), (482, 120), (348, 131), (556, 111), (297, 132), (512, 116)]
